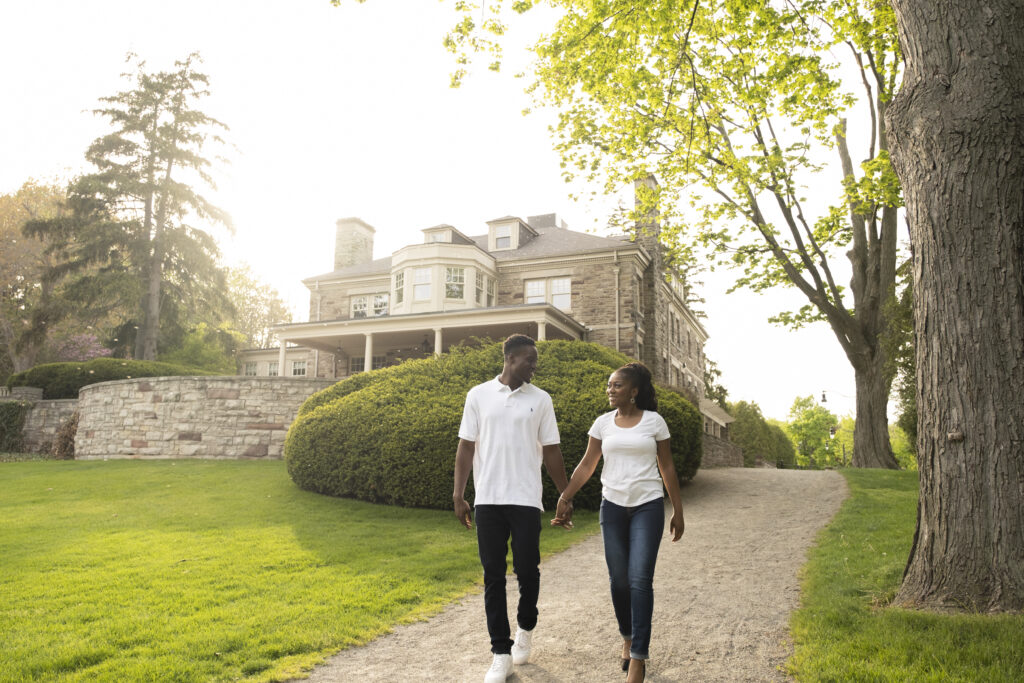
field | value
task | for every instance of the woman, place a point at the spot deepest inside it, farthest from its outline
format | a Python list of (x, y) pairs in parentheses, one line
[(634, 440)]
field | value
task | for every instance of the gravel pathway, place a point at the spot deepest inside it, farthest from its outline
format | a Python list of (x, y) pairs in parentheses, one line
[(723, 595)]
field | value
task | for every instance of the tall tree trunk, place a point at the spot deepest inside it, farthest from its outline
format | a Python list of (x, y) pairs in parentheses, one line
[(149, 232), (957, 137), (873, 264), (871, 447), (151, 311)]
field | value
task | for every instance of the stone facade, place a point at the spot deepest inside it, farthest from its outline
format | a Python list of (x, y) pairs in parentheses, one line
[(621, 294), (720, 453), (43, 422), (189, 417)]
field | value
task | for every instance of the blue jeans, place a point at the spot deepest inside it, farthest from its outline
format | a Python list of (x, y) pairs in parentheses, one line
[(495, 525), (632, 536)]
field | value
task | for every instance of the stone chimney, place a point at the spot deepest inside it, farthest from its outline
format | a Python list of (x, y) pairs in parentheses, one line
[(647, 233), (546, 220), (353, 243), (647, 230)]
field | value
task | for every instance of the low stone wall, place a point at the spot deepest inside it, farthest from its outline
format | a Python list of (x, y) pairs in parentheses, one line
[(43, 422), (190, 417), (720, 453)]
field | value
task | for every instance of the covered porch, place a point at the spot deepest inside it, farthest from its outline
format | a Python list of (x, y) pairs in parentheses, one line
[(360, 344)]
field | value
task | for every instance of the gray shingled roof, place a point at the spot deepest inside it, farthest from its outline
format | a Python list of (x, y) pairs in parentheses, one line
[(548, 242), (554, 242), (381, 266)]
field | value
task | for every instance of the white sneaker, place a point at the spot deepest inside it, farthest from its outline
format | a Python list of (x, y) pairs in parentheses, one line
[(521, 646), (501, 668)]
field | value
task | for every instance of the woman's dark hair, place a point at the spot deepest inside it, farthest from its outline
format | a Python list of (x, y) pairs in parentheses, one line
[(640, 378)]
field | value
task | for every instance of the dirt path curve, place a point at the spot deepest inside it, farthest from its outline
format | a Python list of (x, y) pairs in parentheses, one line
[(723, 595)]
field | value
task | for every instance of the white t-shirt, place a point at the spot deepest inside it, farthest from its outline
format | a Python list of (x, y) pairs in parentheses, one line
[(630, 475), (509, 429)]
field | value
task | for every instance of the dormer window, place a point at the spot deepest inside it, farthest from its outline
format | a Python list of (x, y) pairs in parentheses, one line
[(503, 237), (437, 237), (508, 233)]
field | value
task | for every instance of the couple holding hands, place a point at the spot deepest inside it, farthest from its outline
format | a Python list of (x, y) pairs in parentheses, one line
[(508, 430)]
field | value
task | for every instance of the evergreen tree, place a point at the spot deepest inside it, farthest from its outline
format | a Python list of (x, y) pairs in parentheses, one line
[(137, 218)]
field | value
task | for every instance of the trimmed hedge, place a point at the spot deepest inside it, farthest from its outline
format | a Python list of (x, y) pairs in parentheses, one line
[(389, 436), (63, 380)]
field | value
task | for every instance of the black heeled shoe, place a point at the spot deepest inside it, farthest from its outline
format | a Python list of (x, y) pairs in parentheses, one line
[(625, 663)]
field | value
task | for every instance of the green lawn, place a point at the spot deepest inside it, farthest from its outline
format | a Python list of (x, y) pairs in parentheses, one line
[(209, 570), (845, 632)]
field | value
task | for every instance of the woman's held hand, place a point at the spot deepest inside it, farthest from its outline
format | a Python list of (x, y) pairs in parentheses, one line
[(563, 514)]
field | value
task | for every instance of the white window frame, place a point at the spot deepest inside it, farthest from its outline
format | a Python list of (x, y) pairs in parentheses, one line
[(480, 288), (381, 304), (298, 368), (421, 278), (503, 237), (356, 364), (490, 291), (535, 291), (557, 295), (556, 291), (399, 287), (272, 369), (359, 306), (249, 369), (454, 283), (379, 362)]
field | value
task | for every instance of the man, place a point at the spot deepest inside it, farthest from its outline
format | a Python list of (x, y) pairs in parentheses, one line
[(508, 428)]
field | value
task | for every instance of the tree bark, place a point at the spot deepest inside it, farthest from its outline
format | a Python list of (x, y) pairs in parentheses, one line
[(151, 312), (957, 138), (871, 447)]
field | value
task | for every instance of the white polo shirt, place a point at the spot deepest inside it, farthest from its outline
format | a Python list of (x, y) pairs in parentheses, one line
[(509, 429)]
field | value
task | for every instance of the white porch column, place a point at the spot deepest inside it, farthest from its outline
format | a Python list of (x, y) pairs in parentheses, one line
[(368, 353), (280, 359), (542, 330), (438, 341)]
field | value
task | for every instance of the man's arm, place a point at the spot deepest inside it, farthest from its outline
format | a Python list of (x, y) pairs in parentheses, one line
[(555, 465), (463, 465)]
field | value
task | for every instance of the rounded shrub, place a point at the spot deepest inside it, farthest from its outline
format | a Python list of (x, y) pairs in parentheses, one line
[(63, 380), (390, 435)]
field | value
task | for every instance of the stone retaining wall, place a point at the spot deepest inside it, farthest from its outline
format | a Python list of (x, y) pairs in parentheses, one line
[(190, 417), (43, 422), (720, 453)]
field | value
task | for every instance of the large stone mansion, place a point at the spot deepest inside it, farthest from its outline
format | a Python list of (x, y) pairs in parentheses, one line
[(532, 276)]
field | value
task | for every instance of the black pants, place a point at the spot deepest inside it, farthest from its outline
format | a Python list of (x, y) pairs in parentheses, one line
[(495, 524)]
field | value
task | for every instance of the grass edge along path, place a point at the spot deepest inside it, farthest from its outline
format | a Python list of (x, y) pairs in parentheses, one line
[(844, 630), (211, 570)]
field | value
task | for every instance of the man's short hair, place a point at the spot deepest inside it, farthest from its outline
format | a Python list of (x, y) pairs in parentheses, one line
[(515, 343)]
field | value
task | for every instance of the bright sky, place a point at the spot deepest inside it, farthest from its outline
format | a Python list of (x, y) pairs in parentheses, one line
[(346, 111)]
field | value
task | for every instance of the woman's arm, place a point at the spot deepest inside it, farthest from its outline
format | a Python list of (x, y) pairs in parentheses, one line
[(580, 476), (671, 479)]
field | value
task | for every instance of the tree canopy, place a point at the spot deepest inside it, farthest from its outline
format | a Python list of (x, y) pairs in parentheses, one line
[(758, 438), (736, 107), (811, 427), (256, 307)]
